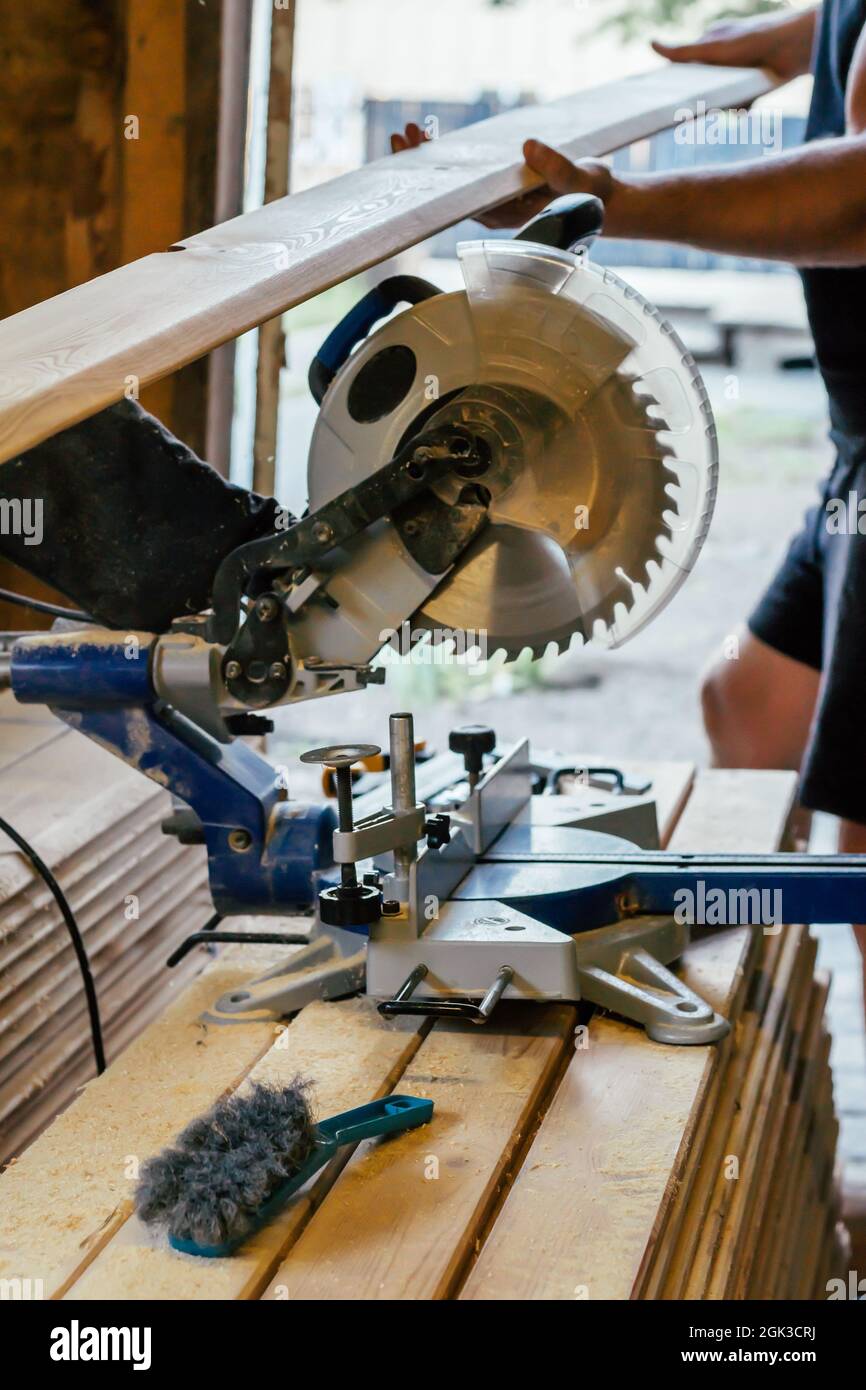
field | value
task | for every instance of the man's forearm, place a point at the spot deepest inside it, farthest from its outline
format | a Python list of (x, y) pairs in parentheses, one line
[(807, 206)]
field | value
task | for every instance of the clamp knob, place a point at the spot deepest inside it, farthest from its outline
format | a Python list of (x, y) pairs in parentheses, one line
[(473, 741), (351, 904)]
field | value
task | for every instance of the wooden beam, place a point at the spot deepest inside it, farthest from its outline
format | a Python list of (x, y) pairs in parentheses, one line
[(70, 356)]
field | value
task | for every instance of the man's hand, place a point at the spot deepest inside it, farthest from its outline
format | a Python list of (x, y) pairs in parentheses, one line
[(782, 43), (560, 176), (412, 137)]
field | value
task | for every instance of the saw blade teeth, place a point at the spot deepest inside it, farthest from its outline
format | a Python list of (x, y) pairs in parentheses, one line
[(645, 499)]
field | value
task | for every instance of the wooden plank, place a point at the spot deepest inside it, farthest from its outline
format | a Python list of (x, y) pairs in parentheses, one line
[(45, 1064), (670, 1255), (798, 1216), (757, 1158), (151, 999), (65, 358), (66, 798), (582, 1208), (765, 1269), (726, 807), (50, 1225), (621, 1124), (352, 1055), (675, 1264), (24, 729), (402, 1221), (725, 1189), (488, 1086)]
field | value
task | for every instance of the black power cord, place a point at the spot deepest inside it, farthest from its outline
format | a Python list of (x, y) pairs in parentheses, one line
[(39, 605), (77, 943)]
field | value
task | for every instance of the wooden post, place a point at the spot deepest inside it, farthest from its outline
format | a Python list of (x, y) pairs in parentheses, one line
[(272, 341), (109, 154), (231, 146)]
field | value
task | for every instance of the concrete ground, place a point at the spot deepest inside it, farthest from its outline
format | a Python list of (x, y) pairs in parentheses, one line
[(641, 700)]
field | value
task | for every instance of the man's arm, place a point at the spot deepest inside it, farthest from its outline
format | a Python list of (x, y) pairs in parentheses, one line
[(806, 206)]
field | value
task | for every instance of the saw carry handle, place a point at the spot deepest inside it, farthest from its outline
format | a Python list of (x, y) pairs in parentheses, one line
[(575, 219), (356, 324)]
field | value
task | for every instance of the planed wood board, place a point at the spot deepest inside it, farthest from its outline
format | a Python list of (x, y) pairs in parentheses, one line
[(771, 1163), (783, 1196), (749, 1107), (757, 1149), (349, 1052), (580, 1213), (587, 1224), (404, 1219), (672, 1263), (50, 1226), (71, 355)]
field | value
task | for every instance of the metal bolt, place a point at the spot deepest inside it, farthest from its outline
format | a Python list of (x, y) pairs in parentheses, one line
[(240, 840), (345, 819), (277, 671), (322, 532), (233, 670)]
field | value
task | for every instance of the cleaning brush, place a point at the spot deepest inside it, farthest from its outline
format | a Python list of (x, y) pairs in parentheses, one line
[(231, 1170)]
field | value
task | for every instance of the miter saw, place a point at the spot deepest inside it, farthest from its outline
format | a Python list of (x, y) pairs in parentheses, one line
[(523, 463)]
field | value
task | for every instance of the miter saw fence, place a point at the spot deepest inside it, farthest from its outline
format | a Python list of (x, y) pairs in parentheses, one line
[(528, 460)]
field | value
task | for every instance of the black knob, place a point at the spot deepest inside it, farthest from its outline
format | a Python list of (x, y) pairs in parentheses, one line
[(473, 741)]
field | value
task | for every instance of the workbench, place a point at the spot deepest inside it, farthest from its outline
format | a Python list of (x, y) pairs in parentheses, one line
[(569, 1157)]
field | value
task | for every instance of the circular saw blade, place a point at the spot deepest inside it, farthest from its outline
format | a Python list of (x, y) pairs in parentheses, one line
[(602, 450), (578, 504)]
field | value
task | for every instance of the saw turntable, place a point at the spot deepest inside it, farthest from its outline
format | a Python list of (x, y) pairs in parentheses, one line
[(525, 463)]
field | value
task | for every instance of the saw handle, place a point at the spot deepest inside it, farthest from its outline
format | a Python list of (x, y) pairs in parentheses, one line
[(573, 220), (354, 326)]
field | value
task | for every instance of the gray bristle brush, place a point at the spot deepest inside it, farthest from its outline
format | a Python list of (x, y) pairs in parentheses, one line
[(231, 1170)]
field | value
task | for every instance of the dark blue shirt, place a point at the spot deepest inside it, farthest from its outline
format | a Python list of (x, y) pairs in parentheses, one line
[(836, 298)]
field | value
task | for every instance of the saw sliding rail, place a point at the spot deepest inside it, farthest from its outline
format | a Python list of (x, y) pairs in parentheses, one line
[(816, 887)]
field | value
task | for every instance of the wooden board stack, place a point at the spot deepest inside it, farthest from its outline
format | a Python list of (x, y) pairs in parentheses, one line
[(560, 1164), (134, 892)]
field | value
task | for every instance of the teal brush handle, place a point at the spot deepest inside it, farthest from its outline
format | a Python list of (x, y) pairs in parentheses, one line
[(391, 1115)]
